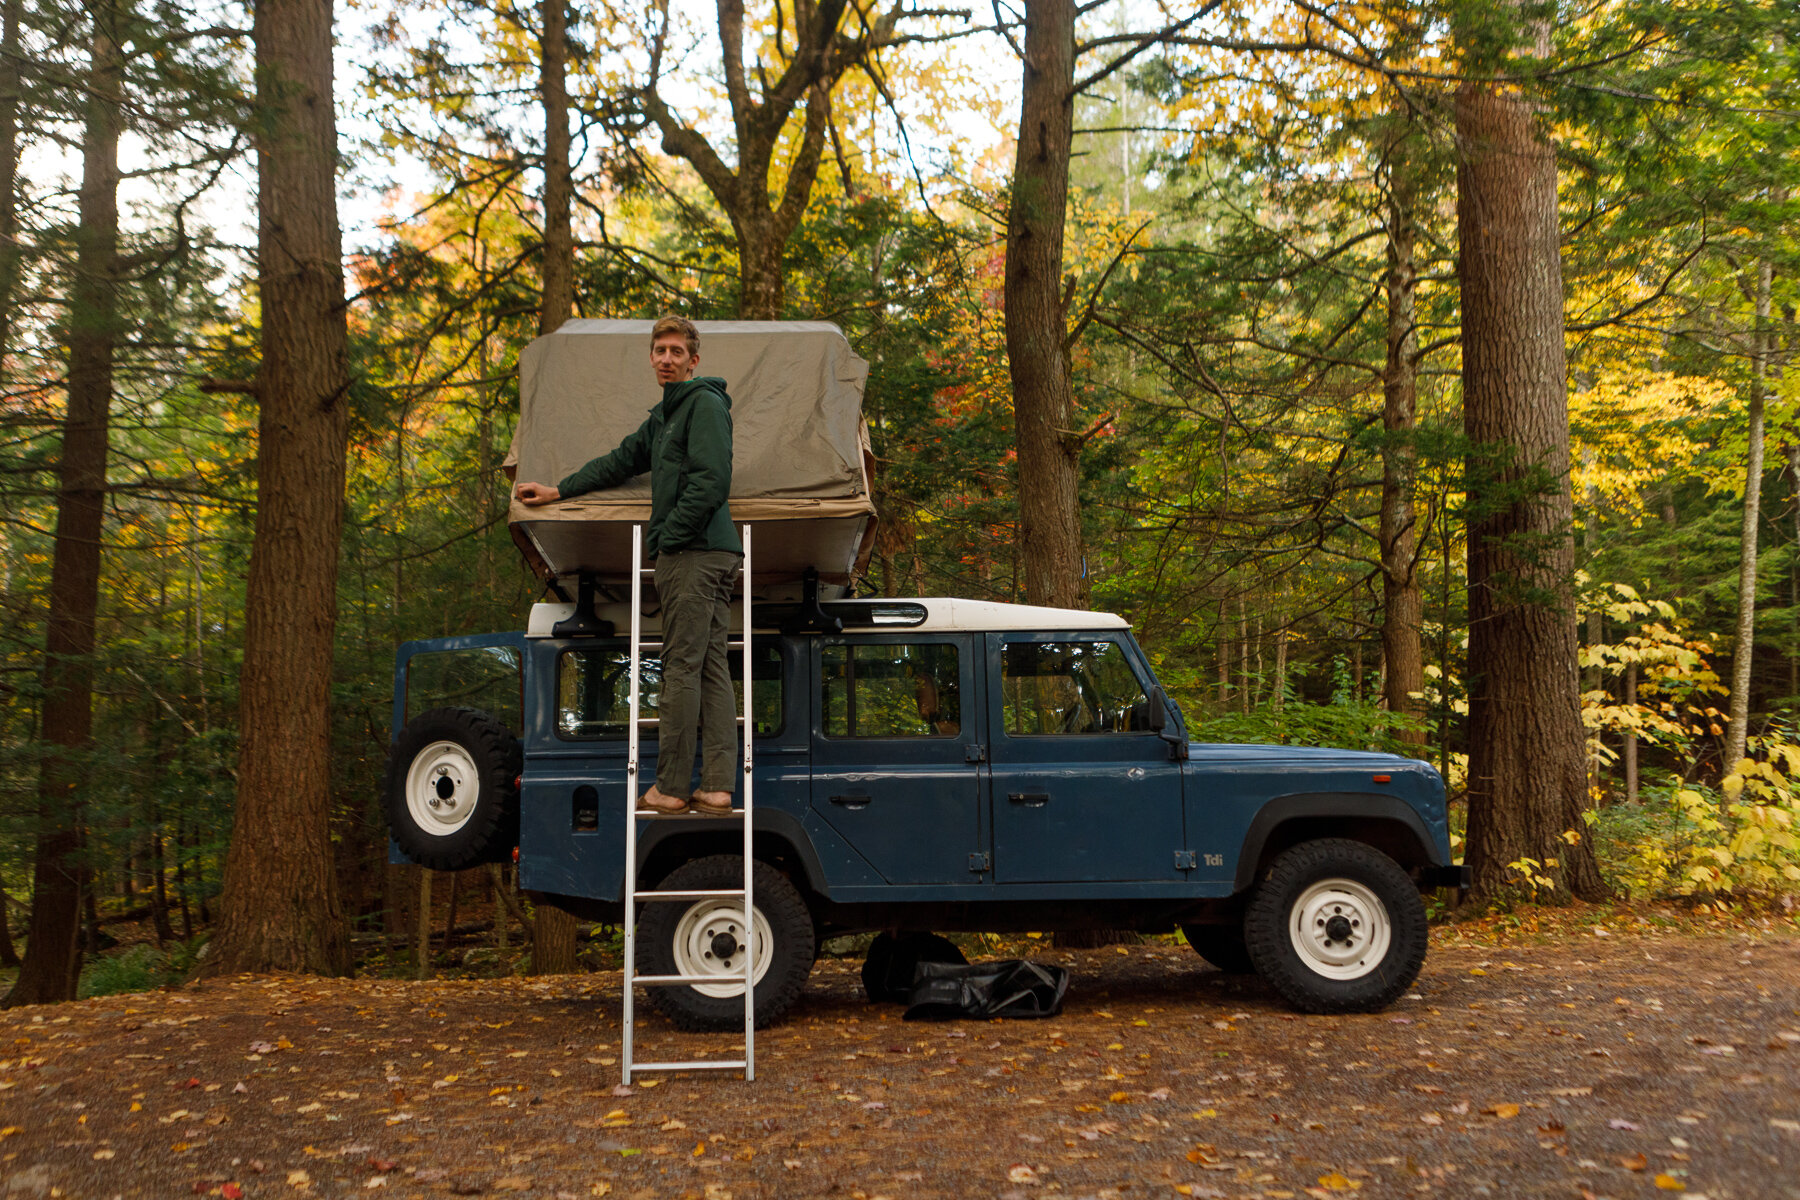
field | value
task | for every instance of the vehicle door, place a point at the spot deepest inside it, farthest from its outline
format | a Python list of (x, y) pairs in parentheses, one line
[(1084, 790), (895, 761)]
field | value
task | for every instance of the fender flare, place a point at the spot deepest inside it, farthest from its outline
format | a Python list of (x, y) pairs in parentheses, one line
[(1358, 806)]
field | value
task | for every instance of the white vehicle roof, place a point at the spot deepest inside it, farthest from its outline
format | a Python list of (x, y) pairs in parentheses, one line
[(942, 614)]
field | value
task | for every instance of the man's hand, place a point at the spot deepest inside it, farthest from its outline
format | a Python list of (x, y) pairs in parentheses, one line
[(535, 494)]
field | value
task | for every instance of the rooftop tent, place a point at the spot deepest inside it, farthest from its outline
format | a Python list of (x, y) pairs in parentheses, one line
[(800, 464)]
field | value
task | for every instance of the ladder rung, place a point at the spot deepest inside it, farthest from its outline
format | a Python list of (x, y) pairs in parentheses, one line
[(679, 980), (642, 721), (693, 895), (735, 644), (681, 816), (729, 1064)]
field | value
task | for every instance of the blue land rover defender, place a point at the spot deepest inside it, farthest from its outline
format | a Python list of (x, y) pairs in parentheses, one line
[(921, 765)]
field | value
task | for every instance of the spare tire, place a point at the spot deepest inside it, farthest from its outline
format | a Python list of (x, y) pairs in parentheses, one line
[(451, 794)]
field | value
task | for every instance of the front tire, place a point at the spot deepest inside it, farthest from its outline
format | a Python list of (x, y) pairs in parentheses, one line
[(707, 936), (1336, 927)]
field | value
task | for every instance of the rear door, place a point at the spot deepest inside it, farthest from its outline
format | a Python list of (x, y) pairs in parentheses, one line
[(895, 761), (1084, 791)]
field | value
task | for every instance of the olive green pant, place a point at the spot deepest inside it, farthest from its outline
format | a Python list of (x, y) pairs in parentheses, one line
[(695, 588)]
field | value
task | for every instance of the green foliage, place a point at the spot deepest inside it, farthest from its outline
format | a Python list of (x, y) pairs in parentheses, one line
[(138, 968)]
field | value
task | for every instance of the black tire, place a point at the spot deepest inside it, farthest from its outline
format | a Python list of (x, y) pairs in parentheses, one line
[(676, 938), (1336, 927), (468, 762), (887, 970), (1222, 946)]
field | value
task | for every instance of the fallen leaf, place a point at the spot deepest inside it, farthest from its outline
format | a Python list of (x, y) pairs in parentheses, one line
[(232, 1191), (512, 1183), (1571, 1091), (1636, 1162), (1505, 1112), (1669, 1183), (621, 1090), (1622, 1123), (1338, 1183), (103, 1155), (1020, 1173), (1432, 1119)]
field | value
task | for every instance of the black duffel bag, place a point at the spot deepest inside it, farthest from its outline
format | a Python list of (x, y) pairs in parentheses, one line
[(1010, 988)]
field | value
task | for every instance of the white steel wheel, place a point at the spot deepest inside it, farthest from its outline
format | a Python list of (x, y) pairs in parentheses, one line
[(1340, 929), (443, 786), (710, 938)]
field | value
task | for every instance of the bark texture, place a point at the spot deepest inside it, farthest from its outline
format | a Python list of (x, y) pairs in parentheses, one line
[(1403, 607), (1036, 324), (559, 183), (10, 11), (1527, 770), (279, 909), (553, 940), (52, 960)]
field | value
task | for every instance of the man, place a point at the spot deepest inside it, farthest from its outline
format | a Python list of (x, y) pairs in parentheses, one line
[(685, 444)]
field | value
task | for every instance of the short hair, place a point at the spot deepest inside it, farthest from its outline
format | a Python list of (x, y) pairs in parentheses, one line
[(670, 323)]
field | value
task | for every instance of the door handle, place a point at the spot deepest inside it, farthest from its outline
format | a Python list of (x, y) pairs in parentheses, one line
[(1030, 799), (854, 800)]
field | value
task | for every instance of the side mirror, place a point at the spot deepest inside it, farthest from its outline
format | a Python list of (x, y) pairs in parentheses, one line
[(1159, 710)]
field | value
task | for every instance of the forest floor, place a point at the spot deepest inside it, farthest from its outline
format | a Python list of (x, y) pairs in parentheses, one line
[(1584, 1054)]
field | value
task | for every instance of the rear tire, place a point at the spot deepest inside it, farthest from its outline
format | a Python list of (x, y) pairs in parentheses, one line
[(1222, 946), (706, 937), (1336, 927), (451, 795)]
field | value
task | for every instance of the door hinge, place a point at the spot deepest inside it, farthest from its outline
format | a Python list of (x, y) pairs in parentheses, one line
[(980, 862), (976, 753), (1185, 861)]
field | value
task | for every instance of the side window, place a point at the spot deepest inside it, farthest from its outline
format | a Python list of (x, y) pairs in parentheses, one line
[(891, 691), (593, 691), (487, 678), (1071, 687)]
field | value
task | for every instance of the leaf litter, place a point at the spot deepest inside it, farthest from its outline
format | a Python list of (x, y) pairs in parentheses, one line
[(1161, 1075)]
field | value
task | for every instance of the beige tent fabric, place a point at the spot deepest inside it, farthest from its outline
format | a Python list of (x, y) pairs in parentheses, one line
[(799, 461)]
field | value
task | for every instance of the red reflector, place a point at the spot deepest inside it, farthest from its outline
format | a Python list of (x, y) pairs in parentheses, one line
[(1383, 778), (518, 782), (515, 854)]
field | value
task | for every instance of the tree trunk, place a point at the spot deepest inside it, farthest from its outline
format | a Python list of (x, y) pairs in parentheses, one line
[(553, 941), (279, 908), (422, 934), (1403, 606), (1036, 326), (1629, 756), (10, 11), (1527, 774), (559, 183), (1743, 648), (52, 955)]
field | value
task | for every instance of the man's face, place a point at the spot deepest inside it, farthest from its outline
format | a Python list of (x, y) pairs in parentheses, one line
[(670, 358)]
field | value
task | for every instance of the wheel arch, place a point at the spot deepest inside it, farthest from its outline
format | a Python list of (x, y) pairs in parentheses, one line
[(1386, 823), (778, 839)]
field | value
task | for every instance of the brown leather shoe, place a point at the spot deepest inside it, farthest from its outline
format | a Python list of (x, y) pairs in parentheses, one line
[(657, 802), (713, 804)]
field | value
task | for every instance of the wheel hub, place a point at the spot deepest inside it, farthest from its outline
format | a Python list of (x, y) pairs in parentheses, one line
[(710, 939), (442, 787), (1340, 929)]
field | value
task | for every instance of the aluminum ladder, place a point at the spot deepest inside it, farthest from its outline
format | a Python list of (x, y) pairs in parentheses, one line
[(632, 980)]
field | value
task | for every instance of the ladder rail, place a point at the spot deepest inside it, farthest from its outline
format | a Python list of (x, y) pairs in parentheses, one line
[(634, 723)]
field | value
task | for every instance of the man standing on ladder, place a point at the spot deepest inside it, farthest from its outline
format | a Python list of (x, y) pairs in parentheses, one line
[(685, 444)]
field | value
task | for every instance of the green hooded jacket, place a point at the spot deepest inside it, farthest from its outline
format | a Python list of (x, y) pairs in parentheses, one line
[(685, 444)]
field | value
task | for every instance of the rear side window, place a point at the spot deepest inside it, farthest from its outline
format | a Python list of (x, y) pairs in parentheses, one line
[(593, 691), (487, 678), (908, 690), (1071, 688)]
